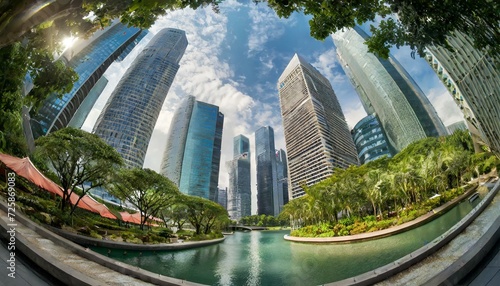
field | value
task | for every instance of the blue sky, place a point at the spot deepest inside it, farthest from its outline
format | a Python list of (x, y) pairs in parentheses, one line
[(234, 59)]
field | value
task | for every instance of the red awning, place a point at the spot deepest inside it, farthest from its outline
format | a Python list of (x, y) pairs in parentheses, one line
[(26, 169)]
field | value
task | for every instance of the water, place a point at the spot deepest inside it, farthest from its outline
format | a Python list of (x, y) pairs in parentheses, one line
[(265, 258)]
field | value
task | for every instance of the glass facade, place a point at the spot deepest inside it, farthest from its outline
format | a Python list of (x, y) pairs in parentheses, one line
[(192, 156), (239, 199), (222, 198), (386, 89), (369, 139), (173, 155), (316, 134), (89, 63), (282, 176), (128, 118), (473, 79), (83, 111), (269, 199)]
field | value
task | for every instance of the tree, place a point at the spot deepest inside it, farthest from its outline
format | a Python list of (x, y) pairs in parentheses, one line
[(83, 17), (147, 190), (418, 23), (81, 161), (203, 214)]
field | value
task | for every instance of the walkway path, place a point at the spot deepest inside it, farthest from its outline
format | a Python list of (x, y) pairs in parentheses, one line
[(71, 263), (27, 274), (453, 255)]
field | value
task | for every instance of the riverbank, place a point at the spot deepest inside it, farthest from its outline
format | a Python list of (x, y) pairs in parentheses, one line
[(72, 263), (448, 258), (89, 241), (389, 231)]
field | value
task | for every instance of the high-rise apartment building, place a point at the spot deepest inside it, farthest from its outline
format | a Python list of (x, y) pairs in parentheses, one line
[(90, 59), (282, 176), (269, 199), (129, 116), (473, 79), (192, 155), (386, 89), (369, 139), (316, 134), (239, 199)]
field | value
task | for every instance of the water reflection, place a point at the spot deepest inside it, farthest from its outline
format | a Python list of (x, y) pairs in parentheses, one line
[(265, 258)]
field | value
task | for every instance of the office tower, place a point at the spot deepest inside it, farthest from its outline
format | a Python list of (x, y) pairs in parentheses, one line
[(90, 59), (239, 199), (316, 134), (386, 89), (473, 79), (282, 176), (192, 155), (128, 118), (268, 197), (369, 139), (86, 106), (460, 125), (222, 198)]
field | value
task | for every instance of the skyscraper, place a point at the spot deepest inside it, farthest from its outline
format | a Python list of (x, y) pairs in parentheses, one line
[(369, 139), (90, 59), (385, 88), (473, 79), (316, 134), (268, 197), (282, 176), (239, 190), (129, 116), (192, 155)]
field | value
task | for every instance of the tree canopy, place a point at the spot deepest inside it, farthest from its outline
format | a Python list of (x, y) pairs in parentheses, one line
[(147, 190), (390, 186), (403, 22), (81, 161), (203, 214)]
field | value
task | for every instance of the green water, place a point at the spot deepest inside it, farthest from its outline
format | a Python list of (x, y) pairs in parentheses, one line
[(265, 258)]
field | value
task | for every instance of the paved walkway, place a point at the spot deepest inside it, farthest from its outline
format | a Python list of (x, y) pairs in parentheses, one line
[(423, 272), (27, 274), (488, 272)]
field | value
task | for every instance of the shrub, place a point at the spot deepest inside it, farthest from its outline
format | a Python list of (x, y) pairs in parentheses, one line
[(95, 235)]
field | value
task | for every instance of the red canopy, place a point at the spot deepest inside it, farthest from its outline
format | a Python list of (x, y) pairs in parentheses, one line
[(133, 218), (26, 169)]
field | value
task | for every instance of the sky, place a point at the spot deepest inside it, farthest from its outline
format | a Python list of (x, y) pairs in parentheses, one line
[(234, 59)]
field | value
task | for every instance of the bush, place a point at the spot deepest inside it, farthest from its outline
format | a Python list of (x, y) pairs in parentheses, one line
[(94, 234)]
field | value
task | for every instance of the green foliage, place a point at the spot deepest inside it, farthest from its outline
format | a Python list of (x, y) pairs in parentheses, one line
[(418, 24), (78, 157), (389, 191), (204, 215), (147, 190)]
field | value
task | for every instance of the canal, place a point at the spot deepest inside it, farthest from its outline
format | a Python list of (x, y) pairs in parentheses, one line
[(265, 258)]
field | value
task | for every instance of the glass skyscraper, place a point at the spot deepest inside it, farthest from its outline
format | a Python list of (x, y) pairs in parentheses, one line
[(282, 176), (192, 155), (369, 139), (128, 118), (316, 134), (239, 191), (90, 63), (269, 199), (473, 79), (386, 89)]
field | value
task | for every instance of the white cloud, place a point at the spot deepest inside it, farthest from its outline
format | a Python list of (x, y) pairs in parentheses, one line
[(265, 26)]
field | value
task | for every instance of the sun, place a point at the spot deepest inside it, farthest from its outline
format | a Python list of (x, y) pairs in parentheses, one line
[(68, 42)]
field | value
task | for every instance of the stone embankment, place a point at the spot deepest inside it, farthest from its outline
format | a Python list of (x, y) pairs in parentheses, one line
[(74, 264)]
